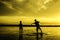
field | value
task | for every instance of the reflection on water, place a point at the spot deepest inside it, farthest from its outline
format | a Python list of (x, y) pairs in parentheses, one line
[(48, 30), (9, 33), (6, 32)]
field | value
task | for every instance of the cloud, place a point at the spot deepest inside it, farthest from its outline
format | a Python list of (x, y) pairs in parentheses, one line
[(26, 7), (18, 7), (11, 6)]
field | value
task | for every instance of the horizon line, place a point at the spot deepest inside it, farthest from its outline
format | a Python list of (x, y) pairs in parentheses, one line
[(29, 25)]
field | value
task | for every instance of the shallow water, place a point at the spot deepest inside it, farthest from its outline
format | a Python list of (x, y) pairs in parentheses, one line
[(49, 33)]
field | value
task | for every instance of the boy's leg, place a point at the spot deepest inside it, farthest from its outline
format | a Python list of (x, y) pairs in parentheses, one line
[(41, 33)]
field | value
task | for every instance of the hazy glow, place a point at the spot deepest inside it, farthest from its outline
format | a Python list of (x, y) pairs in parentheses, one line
[(28, 20)]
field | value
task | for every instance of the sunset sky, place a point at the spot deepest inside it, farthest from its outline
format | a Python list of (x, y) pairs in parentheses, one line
[(40, 8), (46, 11)]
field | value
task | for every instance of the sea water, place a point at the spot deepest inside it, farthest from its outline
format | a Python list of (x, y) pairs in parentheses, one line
[(28, 32)]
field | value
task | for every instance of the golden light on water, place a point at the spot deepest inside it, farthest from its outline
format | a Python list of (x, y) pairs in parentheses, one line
[(15, 30)]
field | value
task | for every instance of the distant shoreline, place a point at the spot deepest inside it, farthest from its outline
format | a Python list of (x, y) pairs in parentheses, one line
[(30, 25)]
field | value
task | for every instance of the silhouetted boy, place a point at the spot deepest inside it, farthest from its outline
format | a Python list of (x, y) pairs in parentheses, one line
[(38, 27), (20, 31), (20, 25)]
